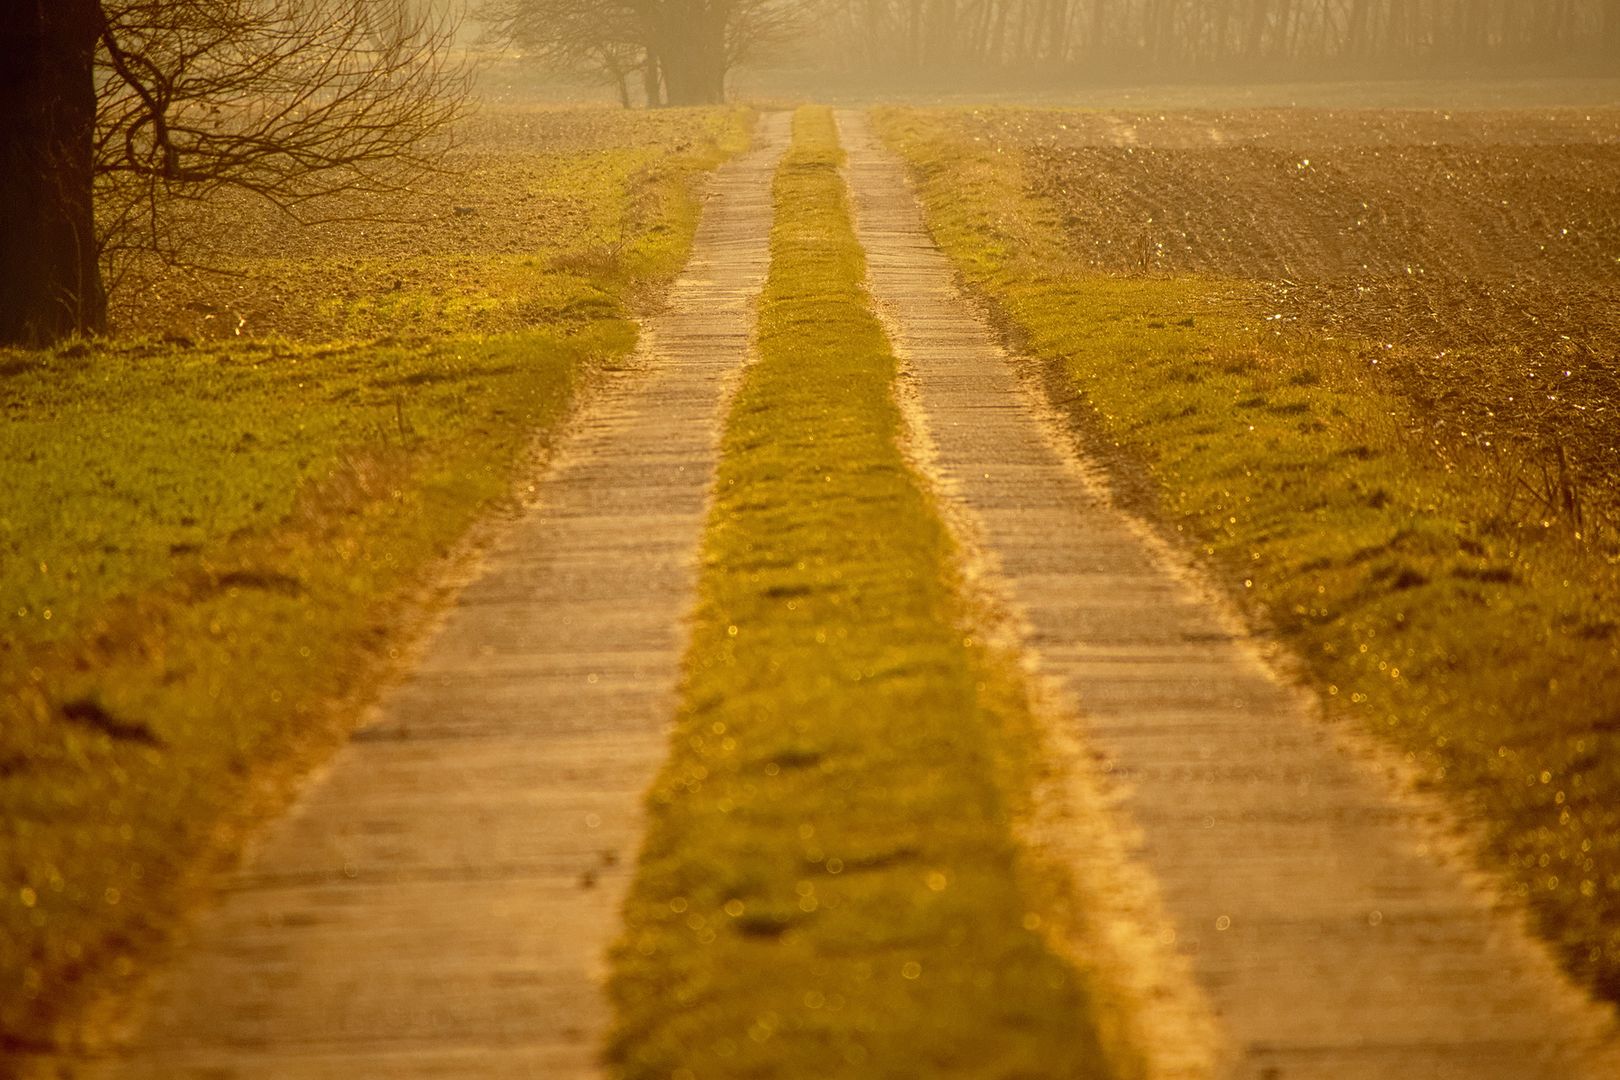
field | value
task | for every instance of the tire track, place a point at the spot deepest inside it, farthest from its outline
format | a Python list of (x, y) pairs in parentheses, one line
[(439, 900), (1309, 901)]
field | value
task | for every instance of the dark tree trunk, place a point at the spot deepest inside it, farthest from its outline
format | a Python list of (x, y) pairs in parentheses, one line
[(689, 81), (50, 280), (621, 83), (693, 57), (689, 37), (652, 81)]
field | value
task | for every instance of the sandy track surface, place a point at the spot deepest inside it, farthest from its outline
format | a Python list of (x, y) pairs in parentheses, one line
[(439, 901), (1316, 911)]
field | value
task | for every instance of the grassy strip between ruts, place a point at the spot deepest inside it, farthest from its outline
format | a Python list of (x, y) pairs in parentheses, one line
[(830, 886), (1487, 652), (205, 549)]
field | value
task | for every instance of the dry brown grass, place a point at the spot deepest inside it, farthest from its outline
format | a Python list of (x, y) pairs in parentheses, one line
[(466, 252)]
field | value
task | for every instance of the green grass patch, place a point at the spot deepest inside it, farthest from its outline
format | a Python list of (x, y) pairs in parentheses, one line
[(830, 886), (203, 550), (1487, 651)]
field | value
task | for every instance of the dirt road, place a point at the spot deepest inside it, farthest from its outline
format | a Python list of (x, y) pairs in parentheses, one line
[(1330, 938), (440, 900)]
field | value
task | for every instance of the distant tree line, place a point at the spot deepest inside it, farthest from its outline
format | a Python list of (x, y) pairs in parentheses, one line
[(1219, 36)]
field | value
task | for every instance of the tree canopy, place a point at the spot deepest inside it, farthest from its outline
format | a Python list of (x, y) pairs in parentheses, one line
[(682, 50)]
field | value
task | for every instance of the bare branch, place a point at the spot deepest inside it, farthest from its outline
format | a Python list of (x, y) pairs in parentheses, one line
[(291, 100)]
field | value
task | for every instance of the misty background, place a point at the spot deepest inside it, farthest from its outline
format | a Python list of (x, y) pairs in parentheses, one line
[(696, 51)]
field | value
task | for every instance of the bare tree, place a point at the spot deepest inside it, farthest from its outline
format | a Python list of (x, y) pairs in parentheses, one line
[(137, 103), (683, 49), (597, 39)]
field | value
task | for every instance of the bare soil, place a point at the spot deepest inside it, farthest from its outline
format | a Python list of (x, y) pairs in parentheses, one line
[(460, 252), (1473, 256)]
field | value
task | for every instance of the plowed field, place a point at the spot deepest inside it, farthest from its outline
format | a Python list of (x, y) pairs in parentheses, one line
[(467, 250), (1474, 257)]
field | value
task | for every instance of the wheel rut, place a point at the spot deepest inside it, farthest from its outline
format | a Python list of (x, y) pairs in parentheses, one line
[(439, 900), (1310, 900)]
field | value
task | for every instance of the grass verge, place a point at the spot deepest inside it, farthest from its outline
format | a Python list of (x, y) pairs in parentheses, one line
[(204, 550), (1486, 651), (829, 886)]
